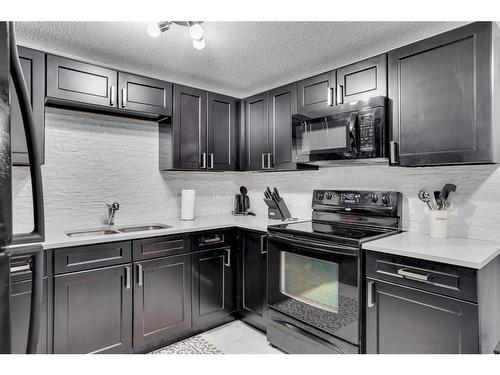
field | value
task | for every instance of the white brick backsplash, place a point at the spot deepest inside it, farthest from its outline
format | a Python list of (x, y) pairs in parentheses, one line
[(92, 159)]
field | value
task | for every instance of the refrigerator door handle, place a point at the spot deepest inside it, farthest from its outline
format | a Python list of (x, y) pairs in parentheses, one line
[(38, 233)]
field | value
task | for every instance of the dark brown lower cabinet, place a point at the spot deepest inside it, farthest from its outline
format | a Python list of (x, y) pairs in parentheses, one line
[(403, 320), (20, 304), (93, 311), (213, 290), (162, 301), (252, 279)]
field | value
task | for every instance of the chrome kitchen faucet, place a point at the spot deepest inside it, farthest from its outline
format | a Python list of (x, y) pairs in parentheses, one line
[(112, 208)]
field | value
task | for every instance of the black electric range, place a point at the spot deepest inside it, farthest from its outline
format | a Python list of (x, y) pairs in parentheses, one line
[(315, 270)]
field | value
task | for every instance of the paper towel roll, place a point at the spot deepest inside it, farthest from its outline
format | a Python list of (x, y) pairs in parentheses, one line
[(187, 204)]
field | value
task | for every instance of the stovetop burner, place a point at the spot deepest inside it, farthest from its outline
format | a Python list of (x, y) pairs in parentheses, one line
[(350, 217), (331, 231)]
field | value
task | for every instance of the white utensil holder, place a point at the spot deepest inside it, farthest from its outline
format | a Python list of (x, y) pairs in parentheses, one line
[(438, 222)]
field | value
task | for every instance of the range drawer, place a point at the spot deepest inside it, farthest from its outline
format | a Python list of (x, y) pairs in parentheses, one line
[(445, 279), (20, 268), (212, 239), (91, 256), (156, 247)]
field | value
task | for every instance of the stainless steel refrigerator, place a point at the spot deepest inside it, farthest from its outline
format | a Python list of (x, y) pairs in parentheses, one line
[(28, 245)]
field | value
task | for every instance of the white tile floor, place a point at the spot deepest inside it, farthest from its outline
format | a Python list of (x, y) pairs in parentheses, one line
[(239, 338), (232, 338)]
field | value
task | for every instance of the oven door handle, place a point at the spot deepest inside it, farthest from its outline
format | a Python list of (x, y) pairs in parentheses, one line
[(310, 336), (352, 136), (315, 245)]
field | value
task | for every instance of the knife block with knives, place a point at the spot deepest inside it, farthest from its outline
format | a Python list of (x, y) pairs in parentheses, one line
[(277, 208)]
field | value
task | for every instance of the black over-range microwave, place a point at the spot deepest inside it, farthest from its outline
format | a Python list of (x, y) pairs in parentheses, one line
[(357, 131)]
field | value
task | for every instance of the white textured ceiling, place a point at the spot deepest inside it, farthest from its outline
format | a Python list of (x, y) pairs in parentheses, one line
[(240, 58)]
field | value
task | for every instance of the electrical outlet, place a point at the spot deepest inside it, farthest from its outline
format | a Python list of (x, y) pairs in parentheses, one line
[(215, 193)]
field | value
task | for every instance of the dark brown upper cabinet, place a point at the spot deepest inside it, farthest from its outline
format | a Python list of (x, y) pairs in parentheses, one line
[(222, 135), (362, 80), (204, 133), (256, 132), (316, 95), (269, 129), (441, 89), (282, 104), (76, 81), (189, 128), (77, 84), (143, 94), (33, 68)]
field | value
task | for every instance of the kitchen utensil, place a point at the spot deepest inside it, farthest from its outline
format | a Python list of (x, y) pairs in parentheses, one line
[(425, 197), (276, 194), (439, 201), (271, 194), (245, 198), (445, 192)]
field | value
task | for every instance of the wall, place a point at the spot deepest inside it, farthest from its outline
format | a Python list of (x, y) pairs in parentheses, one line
[(92, 159)]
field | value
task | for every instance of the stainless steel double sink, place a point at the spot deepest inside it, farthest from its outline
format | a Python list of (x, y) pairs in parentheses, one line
[(118, 230)]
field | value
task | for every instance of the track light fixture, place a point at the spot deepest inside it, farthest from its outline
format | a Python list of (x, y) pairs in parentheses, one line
[(196, 31)]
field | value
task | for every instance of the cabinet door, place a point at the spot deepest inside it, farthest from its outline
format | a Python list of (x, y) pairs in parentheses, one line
[(256, 132), (440, 88), (162, 301), (316, 95), (33, 67), (71, 80), (93, 311), (20, 304), (282, 105), (143, 94), (253, 295), (222, 132), (403, 320), (190, 127), (213, 292), (362, 80)]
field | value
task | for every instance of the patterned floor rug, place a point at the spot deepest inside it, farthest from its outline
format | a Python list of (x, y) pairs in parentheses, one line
[(193, 345)]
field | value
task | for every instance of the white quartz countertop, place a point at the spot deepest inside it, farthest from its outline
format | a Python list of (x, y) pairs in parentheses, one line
[(463, 252), (58, 239)]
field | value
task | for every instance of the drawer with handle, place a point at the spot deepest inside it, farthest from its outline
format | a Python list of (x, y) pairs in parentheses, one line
[(212, 239), (20, 268), (445, 279), (156, 247), (91, 256)]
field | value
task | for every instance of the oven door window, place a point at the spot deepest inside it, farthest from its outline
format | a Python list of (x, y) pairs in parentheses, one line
[(312, 281)]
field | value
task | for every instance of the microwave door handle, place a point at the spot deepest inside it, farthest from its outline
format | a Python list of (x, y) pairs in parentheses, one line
[(37, 235), (352, 146)]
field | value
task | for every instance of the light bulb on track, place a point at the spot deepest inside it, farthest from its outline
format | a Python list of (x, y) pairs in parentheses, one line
[(199, 44), (196, 31), (154, 30)]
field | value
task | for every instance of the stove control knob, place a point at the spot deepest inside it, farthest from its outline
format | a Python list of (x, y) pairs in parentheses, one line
[(319, 196), (329, 196), (373, 197), (386, 199)]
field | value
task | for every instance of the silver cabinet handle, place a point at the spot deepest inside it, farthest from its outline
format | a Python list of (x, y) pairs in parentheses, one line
[(269, 161), (393, 153), (413, 275), (371, 294), (214, 239), (340, 94), (211, 155), (23, 268), (203, 160), (263, 156), (124, 98), (227, 263), (127, 277), (329, 95), (139, 275), (112, 96), (262, 240)]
